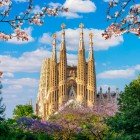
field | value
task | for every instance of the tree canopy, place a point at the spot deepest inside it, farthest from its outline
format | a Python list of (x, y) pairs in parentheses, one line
[(127, 121), (2, 106), (23, 110)]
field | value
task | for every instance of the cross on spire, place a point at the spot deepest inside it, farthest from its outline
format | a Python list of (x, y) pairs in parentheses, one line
[(54, 36), (91, 46), (63, 26), (81, 25), (91, 35)]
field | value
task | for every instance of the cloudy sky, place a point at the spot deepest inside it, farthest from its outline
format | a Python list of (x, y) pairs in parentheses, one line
[(117, 59)]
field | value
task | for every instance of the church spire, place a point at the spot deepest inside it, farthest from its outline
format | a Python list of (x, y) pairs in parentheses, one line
[(54, 57), (81, 43), (63, 69), (91, 76), (91, 46), (63, 36), (81, 71)]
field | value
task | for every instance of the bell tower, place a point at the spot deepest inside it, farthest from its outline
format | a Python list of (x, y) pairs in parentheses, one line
[(91, 78), (81, 71), (53, 91), (63, 70)]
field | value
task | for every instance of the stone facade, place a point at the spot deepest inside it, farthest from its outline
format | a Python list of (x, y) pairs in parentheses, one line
[(59, 82)]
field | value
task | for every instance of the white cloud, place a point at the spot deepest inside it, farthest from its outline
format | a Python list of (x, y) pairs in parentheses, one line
[(21, 0), (110, 0), (128, 72), (80, 6), (8, 75), (46, 38), (18, 91), (37, 9), (12, 89), (20, 83), (75, 7), (30, 38), (29, 61), (72, 39), (70, 15), (54, 5), (137, 67), (72, 59), (115, 74)]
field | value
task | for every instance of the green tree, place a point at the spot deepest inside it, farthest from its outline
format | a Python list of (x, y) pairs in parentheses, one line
[(23, 111), (2, 106), (126, 123)]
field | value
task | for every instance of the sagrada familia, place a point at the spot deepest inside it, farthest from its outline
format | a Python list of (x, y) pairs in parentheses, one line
[(60, 82)]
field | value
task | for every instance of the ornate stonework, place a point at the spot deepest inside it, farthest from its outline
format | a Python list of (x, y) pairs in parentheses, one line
[(60, 83)]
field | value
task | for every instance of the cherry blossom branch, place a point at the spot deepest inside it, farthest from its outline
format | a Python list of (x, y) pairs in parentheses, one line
[(28, 16), (121, 20)]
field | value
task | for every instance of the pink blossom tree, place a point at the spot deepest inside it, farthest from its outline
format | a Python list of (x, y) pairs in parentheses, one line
[(124, 16), (76, 118), (28, 16)]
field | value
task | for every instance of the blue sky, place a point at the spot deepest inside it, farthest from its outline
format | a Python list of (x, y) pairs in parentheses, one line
[(117, 59)]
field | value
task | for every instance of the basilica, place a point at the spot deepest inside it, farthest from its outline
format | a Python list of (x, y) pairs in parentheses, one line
[(60, 82)]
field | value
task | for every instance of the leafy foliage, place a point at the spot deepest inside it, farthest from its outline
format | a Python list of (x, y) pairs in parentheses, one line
[(33, 125), (80, 123), (14, 130), (2, 106), (127, 121), (24, 111)]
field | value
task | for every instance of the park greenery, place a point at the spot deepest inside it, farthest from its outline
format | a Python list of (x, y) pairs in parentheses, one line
[(2, 106), (76, 124)]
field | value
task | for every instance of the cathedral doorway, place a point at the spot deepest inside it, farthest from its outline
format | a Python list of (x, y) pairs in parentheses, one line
[(72, 88), (72, 93)]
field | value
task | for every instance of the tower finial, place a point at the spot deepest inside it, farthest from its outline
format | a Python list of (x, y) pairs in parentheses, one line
[(63, 26), (81, 26), (54, 36), (91, 46)]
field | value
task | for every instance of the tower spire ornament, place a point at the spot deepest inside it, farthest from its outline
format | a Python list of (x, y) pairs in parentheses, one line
[(81, 26), (91, 39), (63, 26), (81, 43)]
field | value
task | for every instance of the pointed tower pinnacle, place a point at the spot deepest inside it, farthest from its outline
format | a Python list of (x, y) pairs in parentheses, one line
[(91, 46), (63, 26), (81, 71), (81, 43), (54, 57), (63, 70)]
